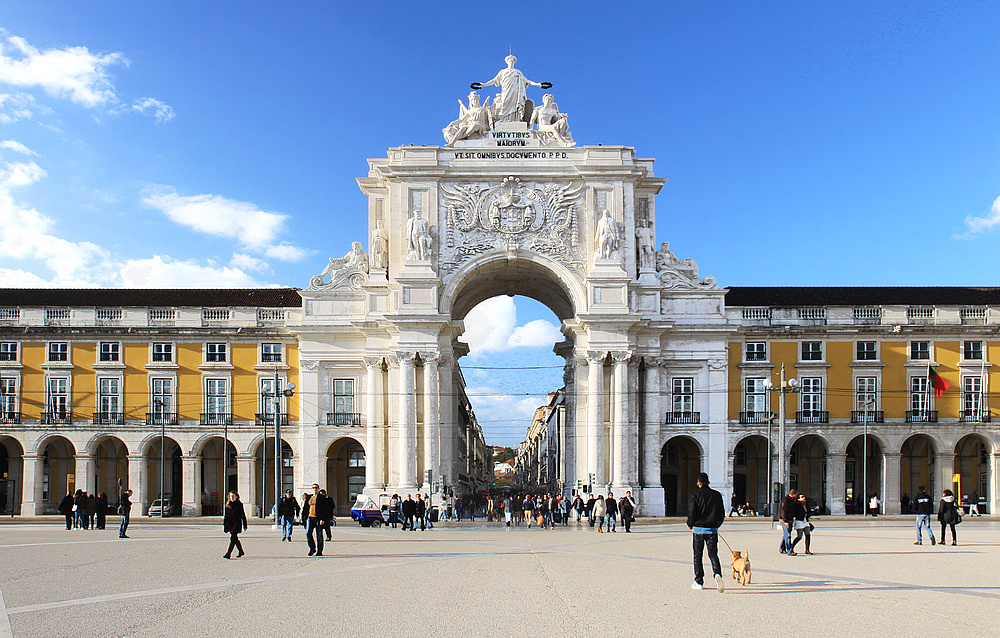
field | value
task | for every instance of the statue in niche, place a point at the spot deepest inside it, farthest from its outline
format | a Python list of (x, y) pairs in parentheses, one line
[(607, 237), (644, 240), (350, 269), (418, 237), (550, 120), (380, 247), (472, 121), (666, 260), (509, 105)]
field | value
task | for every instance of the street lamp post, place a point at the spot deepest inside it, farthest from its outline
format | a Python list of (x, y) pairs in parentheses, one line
[(790, 385), (163, 436), (276, 404), (864, 460)]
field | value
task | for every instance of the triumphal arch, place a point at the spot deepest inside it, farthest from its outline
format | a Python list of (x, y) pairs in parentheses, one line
[(510, 204)]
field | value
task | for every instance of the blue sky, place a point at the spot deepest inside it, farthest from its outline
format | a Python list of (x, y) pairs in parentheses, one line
[(213, 144)]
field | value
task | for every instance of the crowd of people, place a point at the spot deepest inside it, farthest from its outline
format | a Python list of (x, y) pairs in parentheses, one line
[(84, 511)]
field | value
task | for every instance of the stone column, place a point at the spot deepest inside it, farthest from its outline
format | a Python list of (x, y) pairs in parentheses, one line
[(407, 444), (718, 444), (432, 418), (138, 482), (652, 503), (311, 462), (993, 500), (445, 444), (389, 440), (244, 479), (619, 391), (83, 478), (191, 478), (372, 423), (890, 495), (31, 495), (944, 469), (595, 417), (836, 471)]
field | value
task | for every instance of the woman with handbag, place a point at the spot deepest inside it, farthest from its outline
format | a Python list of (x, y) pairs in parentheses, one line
[(801, 525), (234, 522), (948, 515)]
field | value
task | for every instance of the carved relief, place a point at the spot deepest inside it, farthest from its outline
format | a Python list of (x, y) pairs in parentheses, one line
[(350, 270), (680, 274), (512, 216)]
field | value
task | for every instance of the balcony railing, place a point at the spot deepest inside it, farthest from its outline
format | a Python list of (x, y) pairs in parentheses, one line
[(268, 419), (216, 418), (812, 416), (683, 418), (50, 418), (755, 418), (10, 418), (921, 416), (162, 418), (343, 418), (975, 416), (873, 416), (109, 418)]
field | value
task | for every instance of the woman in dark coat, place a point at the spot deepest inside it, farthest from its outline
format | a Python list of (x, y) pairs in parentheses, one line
[(102, 510), (948, 515), (234, 522)]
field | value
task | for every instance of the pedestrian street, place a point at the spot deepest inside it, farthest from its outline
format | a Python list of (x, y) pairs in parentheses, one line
[(867, 578)]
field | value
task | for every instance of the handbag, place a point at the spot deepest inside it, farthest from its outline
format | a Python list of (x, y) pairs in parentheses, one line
[(958, 515), (811, 527)]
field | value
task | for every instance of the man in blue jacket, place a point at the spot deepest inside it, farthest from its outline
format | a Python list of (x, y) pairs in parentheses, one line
[(706, 513)]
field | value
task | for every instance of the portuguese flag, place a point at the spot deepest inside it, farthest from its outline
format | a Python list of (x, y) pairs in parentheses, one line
[(937, 382)]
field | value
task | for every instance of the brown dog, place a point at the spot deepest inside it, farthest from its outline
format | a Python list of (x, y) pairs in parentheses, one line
[(741, 567)]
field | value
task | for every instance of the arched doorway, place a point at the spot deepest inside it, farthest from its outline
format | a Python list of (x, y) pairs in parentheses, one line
[(58, 473), (164, 476), (218, 475), (807, 473), (345, 473), (750, 468), (680, 463), (916, 467), (110, 467), (264, 474), (11, 475), (863, 478), (972, 463)]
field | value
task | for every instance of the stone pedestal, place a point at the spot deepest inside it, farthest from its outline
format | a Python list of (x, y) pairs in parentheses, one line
[(836, 469)]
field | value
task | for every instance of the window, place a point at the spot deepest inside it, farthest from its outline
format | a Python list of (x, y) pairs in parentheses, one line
[(356, 457), (59, 351), (756, 352), (110, 351), (972, 397), (215, 397), (215, 352), (270, 353), (740, 455), (867, 393), (867, 351), (918, 394), (161, 391), (269, 404), (8, 351), (811, 394), (920, 350), (8, 399), (812, 351), (756, 395), (343, 396), (107, 397), (163, 352), (972, 350), (57, 400), (683, 395)]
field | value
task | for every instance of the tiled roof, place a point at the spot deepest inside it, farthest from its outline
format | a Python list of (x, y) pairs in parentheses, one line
[(132, 297), (790, 296)]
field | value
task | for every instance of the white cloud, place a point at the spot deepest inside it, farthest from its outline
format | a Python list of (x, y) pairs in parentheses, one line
[(163, 272), (247, 262), (534, 334), (492, 327), (72, 72), (17, 106), (20, 174), (18, 147), (10, 278), (976, 225), (255, 230), (162, 112)]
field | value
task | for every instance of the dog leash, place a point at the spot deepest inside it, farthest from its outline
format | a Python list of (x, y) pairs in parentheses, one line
[(724, 541)]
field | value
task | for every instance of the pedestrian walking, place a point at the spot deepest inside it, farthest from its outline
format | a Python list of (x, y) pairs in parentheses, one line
[(801, 524), (974, 504), (948, 515), (627, 507), (706, 513), (600, 510), (316, 511), (102, 510), (529, 509), (79, 509), (234, 522), (288, 509), (331, 519), (428, 510), (394, 505), (786, 517), (91, 512), (590, 509), (420, 513), (923, 505), (579, 506), (564, 508), (66, 509), (409, 509), (125, 509), (873, 504), (508, 514), (612, 516), (734, 506)]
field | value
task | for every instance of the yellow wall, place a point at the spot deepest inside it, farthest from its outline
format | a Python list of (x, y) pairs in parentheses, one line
[(839, 379)]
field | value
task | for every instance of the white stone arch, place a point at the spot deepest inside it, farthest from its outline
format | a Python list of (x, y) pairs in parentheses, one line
[(826, 441), (16, 439), (935, 438), (251, 447), (149, 439), (90, 449), (43, 440), (198, 447), (340, 437), (459, 284), (883, 443)]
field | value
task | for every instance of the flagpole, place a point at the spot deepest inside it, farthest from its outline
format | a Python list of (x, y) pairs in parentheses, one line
[(927, 404)]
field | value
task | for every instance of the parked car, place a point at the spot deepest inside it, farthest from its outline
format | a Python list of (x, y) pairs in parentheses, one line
[(156, 505)]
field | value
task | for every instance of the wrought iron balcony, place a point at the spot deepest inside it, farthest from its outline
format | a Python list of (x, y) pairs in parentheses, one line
[(755, 418), (873, 416), (63, 416), (343, 418), (921, 416), (161, 418), (216, 418), (683, 418), (812, 416), (109, 418), (10, 418), (975, 416), (268, 419)]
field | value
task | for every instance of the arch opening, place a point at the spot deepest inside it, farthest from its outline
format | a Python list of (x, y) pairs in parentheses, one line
[(750, 469), (218, 475), (916, 469), (680, 463), (863, 474), (972, 465), (345, 473), (807, 469), (263, 482)]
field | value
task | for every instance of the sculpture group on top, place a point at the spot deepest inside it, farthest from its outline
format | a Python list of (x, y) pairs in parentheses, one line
[(511, 105)]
